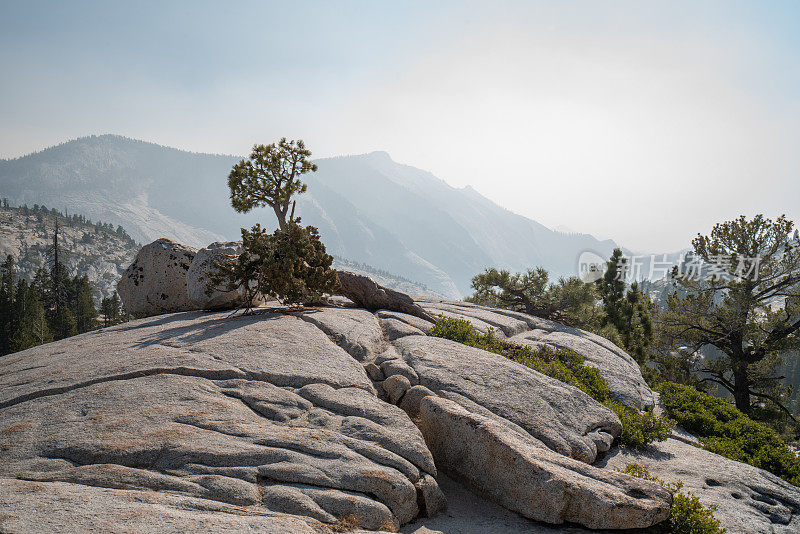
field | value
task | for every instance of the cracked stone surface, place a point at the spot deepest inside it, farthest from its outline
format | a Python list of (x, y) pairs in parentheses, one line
[(35, 507), (558, 416), (748, 499), (280, 422), (521, 474), (620, 370), (260, 411), (355, 330), (276, 348)]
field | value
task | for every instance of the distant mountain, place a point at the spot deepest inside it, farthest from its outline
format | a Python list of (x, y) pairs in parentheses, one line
[(153, 191), (368, 208)]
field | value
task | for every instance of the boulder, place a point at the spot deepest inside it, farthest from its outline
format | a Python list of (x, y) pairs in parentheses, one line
[(517, 472), (412, 399), (272, 423), (374, 372), (366, 293), (432, 498), (395, 387), (155, 283), (197, 277)]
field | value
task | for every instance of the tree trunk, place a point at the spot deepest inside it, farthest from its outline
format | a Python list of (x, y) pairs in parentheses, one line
[(281, 217), (741, 392)]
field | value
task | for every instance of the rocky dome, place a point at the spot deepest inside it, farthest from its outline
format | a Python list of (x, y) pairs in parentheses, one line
[(337, 418)]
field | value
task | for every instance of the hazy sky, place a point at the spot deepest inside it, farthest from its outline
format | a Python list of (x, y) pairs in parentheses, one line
[(644, 122)]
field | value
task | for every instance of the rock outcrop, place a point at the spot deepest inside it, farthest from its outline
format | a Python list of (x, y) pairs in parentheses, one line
[(256, 411), (556, 415), (620, 370), (318, 419), (522, 475), (155, 282), (748, 499)]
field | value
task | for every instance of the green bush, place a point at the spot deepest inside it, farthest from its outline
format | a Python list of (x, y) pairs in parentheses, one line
[(638, 429), (687, 514), (456, 330), (567, 366), (564, 365), (724, 430), (290, 264)]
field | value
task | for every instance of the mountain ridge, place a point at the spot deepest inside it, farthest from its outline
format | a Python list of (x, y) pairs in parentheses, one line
[(368, 208)]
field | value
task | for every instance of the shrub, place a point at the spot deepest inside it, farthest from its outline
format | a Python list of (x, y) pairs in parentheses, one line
[(567, 366), (639, 429), (564, 365), (289, 264), (726, 431), (456, 330), (687, 514)]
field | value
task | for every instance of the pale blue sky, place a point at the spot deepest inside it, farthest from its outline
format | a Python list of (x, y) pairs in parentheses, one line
[(642, 121)]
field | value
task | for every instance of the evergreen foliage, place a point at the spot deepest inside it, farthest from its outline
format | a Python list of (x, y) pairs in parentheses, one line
[(271, 177), (570, 301), (639, 429), (31, 325), (724, 430), (111, 309), (290, 264), (564, 365), (32, 313), (746, 304), (626, 309), (8, 316)]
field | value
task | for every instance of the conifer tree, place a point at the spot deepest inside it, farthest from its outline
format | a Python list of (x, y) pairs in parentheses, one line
[(82, 304), (32, 328), (62, 322), (626, 310), (569, 301), (290, 264), (111, 308), (7, 316), (745, 303), (271, 177)]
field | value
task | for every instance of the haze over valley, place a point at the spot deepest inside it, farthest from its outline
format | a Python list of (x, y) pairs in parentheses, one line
[(452, 267)]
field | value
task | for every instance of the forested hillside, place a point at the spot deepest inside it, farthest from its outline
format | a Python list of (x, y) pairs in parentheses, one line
[(100, 251)]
